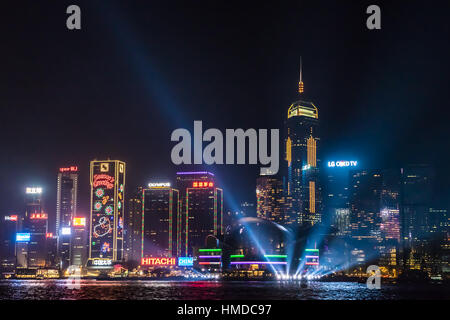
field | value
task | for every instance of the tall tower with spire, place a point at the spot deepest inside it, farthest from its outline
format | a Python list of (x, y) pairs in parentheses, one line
[(300, 82), (303, 196)]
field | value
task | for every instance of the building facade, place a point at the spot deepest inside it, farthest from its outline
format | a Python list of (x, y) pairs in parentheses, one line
[(8, 229), (78, 253), (303, 193), (66, 210), (36, 224), (133, 231), (160, 214), (270, 199), (202, 211), (107, 179)]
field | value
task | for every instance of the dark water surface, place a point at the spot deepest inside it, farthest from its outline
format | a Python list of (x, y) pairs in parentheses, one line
[(212, 290)]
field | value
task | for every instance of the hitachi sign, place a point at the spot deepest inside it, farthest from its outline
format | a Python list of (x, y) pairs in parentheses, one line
[(332, 164), (158, 261)]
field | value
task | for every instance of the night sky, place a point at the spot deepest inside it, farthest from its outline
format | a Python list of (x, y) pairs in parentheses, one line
[(137, 70)]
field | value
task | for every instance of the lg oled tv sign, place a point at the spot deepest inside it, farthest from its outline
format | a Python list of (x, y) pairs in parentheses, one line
[(342, 164)]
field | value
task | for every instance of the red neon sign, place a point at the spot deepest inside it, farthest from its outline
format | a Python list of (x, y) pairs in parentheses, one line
[(200, 184), (49, 235), (11, 218), (158, 261), (39, 216), (79, 222), (103, 180), (69, 169)]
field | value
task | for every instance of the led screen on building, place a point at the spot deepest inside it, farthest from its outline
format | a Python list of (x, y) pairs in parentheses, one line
[(23, 237), (107, 198), (185, 261)]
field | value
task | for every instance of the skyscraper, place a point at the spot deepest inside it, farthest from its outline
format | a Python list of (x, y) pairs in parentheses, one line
[(270, 199), (335, 194), (202, 204), (365, 204), (416, 200), (78, 252), (36, 223), (133, 231), (106, 219), (8, 229), (302, 139), (66, 210), (160, 213)]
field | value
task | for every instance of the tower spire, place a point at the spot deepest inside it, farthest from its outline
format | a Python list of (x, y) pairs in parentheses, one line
[(300, 83)]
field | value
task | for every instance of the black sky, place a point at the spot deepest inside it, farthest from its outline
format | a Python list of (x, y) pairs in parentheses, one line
[(138, 70)]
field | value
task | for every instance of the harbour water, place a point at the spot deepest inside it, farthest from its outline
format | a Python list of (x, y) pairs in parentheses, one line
[(213, 290)]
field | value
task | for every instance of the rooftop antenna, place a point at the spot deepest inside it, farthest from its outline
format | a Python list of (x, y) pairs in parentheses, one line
[(300, 83)]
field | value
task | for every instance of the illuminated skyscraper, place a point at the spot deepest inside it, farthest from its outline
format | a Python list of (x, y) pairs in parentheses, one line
[(160, 213), (270, 198), (133, 230), (202, 204), (365, 204), (374, 216), (8, 229), (78, 252), (66, 210), (36, 223), (107, 201), (335, 194), (33, 201), (302, 139), (416, 200)]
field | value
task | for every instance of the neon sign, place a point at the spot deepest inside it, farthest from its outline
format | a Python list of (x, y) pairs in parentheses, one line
[(158, 261), (257, 262), (104, 180), (306, 167), (79, 222), (312, 257), (97, 206), (102, 228), (38, 216), (66, 231), (49, 235), (159, 185), (341, 164), (185, 261), (23, 237), (200, 184), (106, 247), (69, 169), (99, 262), (109, 210), (99, 192), (11, 218), (33, 190)]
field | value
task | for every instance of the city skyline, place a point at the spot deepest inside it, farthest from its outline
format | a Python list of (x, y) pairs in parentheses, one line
[(326, 126), (392, 210), (371, 108)]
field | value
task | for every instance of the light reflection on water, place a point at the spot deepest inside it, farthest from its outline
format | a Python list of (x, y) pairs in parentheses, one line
[(211, 290)]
